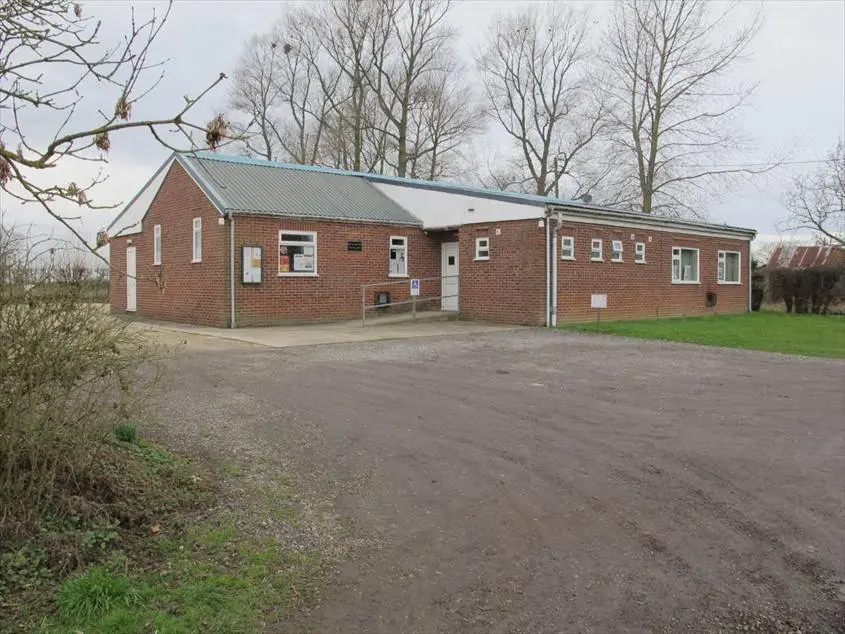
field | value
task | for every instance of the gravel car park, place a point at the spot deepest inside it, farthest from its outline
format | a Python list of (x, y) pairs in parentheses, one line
[(536, 481)]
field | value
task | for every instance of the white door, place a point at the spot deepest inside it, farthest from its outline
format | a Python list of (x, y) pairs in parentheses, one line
[(131, 305), (449, 273)]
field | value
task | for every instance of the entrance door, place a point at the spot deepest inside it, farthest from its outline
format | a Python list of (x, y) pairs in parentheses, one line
[(449, 272), (131, 304)]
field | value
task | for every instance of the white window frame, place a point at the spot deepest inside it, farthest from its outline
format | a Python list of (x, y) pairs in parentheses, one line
[(402, 247), (283, 243), (485, 249), (196, 241), (680, 259), (722, 270), (567, 243), (593, 243), (156, 245), (614, 250), (639, 253)]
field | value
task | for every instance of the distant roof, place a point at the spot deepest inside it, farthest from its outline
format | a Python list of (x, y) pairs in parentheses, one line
[(792, 257), (265, 187)]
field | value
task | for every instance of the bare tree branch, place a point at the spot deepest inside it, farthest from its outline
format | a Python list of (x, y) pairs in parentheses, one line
[(816, 201), (49, 54)]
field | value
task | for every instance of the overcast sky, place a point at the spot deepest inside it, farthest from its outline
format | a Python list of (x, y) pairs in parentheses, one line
[(798, 58)]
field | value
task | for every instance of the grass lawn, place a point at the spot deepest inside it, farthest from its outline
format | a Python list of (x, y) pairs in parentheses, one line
[(811, 335)]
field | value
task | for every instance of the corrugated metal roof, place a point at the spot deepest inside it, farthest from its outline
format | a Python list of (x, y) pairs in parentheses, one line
[(467, 190), (263, 187), (798, 257)]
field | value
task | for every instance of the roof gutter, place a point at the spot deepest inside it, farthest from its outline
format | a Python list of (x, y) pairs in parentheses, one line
[(582, 214)]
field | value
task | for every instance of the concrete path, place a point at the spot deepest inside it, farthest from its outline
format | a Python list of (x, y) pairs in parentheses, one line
[(317, 334)]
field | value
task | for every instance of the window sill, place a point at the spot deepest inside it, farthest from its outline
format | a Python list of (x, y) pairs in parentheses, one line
[(596, 259), (399, 275), (298, 275), (684, 283), (196, 261), (487, 259), (568, 258), (156, 263), (619, 261), (639, 261), (729, 283)]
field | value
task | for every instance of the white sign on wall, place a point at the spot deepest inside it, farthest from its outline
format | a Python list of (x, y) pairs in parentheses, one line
[(598, 301), (415, 287)]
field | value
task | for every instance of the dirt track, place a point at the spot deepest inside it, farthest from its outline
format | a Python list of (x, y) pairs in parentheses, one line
[(535, 482)]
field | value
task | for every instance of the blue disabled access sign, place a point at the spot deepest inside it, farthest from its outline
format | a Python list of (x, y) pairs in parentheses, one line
[(415, 287)]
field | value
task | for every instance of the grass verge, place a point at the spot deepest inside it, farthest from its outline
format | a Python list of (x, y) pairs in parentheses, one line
[(197, 561), (810, 335)]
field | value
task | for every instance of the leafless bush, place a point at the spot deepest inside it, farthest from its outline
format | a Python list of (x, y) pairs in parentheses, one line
[(68, 374), (809, 290)]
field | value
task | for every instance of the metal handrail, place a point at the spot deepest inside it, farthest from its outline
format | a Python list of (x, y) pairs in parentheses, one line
[(413, 301)]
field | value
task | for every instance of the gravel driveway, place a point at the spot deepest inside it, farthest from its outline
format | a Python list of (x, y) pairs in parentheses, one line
[(537, 481)]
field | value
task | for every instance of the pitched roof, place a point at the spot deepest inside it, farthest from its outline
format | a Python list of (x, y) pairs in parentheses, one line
[(312, 173), (263, 187), (791, 257)]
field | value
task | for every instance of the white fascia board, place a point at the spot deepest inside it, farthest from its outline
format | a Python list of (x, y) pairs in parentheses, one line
[(653, 224), (129, 221), (437, 209)]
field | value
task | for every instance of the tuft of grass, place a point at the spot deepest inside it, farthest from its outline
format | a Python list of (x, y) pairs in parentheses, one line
[(95, 593), (126, 433), (810, 335)]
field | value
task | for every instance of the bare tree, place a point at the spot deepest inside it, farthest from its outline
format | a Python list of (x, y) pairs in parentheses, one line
[(535, 67), (49, 55), (414, 78), (668, 63), (816, 201)]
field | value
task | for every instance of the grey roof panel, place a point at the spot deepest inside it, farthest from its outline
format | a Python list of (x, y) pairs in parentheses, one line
[(291, 193)]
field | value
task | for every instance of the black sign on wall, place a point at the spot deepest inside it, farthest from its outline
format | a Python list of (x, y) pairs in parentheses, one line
[(354, 245)]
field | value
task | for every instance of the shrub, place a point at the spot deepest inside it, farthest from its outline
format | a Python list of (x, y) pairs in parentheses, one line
[(126, 433), (808, 290), (69, 374)]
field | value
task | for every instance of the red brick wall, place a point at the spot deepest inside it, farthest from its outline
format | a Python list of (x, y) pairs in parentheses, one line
[(510, 287), (336, 291), (644, 290), (178, 289)]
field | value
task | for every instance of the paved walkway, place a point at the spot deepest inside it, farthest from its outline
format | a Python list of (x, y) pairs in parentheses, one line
[(325, 333)]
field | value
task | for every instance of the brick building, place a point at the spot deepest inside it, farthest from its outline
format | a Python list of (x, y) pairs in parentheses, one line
[(229, 241)]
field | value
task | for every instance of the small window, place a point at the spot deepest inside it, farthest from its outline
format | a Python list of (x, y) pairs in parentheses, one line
[(616, 253), (639, 253), (197, 240), (567, 248), (482, 248), (729, 267), (297, 253), (398, 257), (596, 250), (157, 244), (684, 266)]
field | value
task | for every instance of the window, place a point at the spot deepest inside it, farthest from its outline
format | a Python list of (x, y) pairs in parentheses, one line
[(639, 253), (567, 248), (482, 248), (684, 266), (616, 253), (398, 257), (729, 267), (297, 253), (157, 244), (595, 250), (197, 240)]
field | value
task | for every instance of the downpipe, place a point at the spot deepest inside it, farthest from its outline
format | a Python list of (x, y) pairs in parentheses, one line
[(232, 270)]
